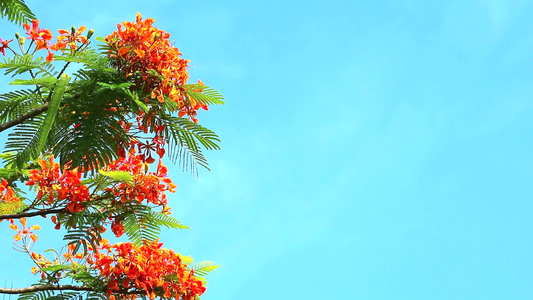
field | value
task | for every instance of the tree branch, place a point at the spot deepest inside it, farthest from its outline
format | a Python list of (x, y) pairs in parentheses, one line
[(24, 117), (37, 288), (32, 214)]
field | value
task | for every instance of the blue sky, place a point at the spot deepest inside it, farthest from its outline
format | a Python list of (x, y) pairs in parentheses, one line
[(370, 149)]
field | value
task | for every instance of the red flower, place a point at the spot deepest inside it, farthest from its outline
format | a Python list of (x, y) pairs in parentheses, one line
[(59, 185), (156, 271), (41, 37), (3, 45), (117, 228)]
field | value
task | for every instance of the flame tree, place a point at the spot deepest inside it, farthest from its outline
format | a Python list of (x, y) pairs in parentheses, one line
[(85, 151)]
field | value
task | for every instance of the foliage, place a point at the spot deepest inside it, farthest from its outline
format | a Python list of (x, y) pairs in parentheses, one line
[(90, 147), (15, 11)]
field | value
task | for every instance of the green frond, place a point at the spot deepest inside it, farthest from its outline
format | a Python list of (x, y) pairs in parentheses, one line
[(94, 115), (187, 159), (138, 228), (96, 296), (89, 57), (16, 11), (66, 295), (143, 225), (39, 295), (16, 103), (20, 64), (47, 81), (22, 142), (204, 268), (165, 220), (11, 207), (203, 94), (185, 139)]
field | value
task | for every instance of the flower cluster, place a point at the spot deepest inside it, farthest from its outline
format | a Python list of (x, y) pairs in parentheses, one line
[(41, 37), (144, 186), (60, 185), (156, 271), (7, 195), (144, 52)]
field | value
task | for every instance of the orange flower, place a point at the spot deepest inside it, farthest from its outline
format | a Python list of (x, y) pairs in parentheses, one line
[(24, 232), (41, 37), (144, 186), (69, 38), (117, 228), (59, 185), (7, 195), (156, 271), (141, 48)]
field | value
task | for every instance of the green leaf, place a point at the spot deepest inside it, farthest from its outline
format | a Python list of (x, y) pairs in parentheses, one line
[(53, 107), (56, 268), (203, 268), (117, 175), (23, 63), (47, 81), (16, 11), (186, 259), (203, 94)]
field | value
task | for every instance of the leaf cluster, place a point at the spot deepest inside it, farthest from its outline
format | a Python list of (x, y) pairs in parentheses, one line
[(16, 11)]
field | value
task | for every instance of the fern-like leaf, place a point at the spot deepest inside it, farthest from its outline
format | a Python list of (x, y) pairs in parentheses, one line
[(17, 103), (142, 225), (16, 11), (23, 63), (203, 268), (38, 295), (22, 142), (203, 94), (185, 139)]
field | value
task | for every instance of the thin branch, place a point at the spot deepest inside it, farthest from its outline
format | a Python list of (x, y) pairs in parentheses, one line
[(64, 287), (32, 214), (24, 117), (38, 288)]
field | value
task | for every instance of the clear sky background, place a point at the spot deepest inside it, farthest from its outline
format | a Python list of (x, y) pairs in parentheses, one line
[(370, 149)]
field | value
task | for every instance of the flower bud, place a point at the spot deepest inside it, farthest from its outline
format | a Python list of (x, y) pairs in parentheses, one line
[(22, 40), (90, 33), (73, 29), (17, 35)]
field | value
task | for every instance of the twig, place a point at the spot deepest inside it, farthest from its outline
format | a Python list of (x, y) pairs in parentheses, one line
[(31, 214), (37, 288)]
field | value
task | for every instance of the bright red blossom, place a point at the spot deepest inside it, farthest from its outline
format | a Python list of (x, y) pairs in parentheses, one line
[(59, 185), (144, 186), (145, 51), (156, 271), (4, 44), (41, 37), (7, 195)]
